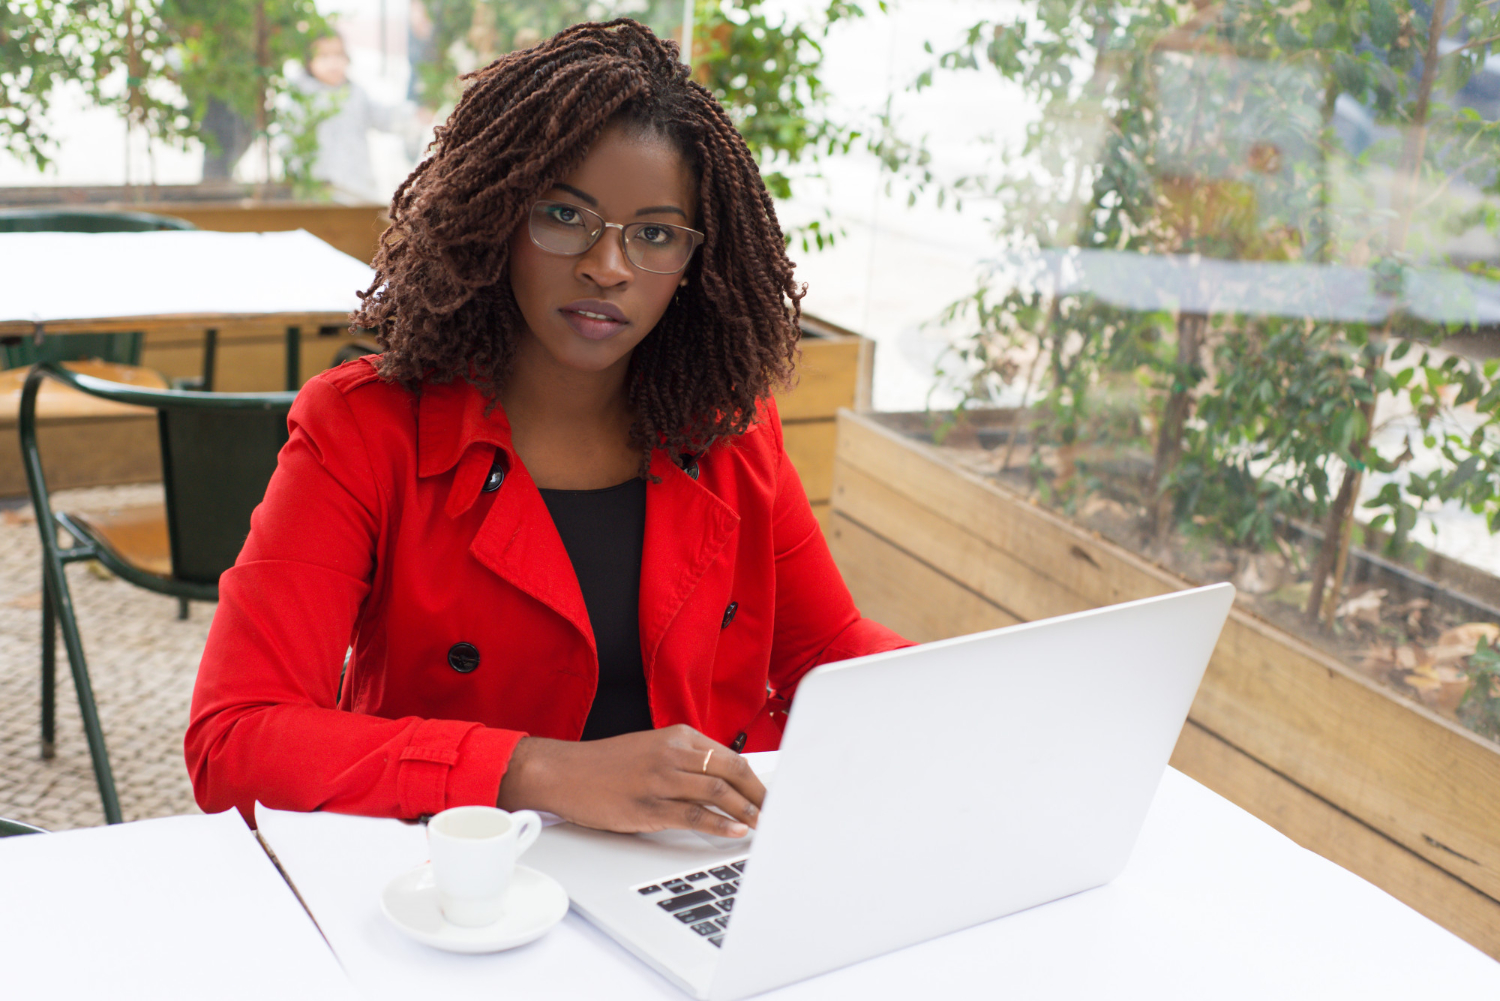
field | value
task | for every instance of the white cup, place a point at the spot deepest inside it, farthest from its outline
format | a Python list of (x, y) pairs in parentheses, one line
[(474, 851)]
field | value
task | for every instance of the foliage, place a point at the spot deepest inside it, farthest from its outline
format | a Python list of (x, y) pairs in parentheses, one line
[(40, 48), (764, 69), (1167, 128), (1480, 708)]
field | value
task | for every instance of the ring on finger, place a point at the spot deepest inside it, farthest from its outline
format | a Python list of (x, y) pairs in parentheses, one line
[(706, 759)]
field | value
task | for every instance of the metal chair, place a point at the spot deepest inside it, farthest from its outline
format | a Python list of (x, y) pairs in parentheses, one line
[(218, 451), (10, 828)]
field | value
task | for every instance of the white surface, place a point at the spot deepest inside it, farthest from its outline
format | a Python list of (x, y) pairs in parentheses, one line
[(182, 907), (90, 276), (533, 903), (1213, 904)]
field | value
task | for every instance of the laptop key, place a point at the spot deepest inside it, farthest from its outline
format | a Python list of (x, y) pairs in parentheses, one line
[(697, 914), (723, 872), (726, 904), (686, 900), (707, 928), (717, 940), (722, 889), (697, 876), (646, 891), (722, 922), (740, 865)]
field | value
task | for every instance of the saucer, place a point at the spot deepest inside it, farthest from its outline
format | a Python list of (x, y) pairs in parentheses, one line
[(533, 904)]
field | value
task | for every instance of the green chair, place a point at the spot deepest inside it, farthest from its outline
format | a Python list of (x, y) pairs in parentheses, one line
[(9, 828), (218, 451), (125, 348)]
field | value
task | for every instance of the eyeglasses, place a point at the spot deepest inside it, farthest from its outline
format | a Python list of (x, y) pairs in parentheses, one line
[(570, 230)]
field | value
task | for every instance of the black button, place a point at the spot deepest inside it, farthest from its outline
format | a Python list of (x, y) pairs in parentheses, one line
[(492, 482), (463, 657), (734, 606), (690, 466), (738, 743)]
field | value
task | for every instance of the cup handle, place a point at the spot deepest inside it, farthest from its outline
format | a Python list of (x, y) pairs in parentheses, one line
[(530, 825)]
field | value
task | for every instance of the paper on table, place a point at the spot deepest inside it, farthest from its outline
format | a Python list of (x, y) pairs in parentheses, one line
[(181, 907), (1214, 903)]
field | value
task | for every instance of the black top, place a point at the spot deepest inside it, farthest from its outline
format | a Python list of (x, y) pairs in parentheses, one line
[(604, 532)]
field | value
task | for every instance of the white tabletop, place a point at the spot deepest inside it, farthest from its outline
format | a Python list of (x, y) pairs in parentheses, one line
[(188, 273), (183, 907), (1214, 904)]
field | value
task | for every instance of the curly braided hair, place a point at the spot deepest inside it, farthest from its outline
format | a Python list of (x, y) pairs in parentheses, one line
[(441, 300)]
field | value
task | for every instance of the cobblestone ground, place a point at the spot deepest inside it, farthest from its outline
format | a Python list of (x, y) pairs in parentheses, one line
[(142, 661)]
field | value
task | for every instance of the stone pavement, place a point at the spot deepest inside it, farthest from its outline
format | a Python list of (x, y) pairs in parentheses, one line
[(142, 661)]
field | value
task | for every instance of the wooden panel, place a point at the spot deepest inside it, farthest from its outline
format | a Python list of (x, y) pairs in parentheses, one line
[(827, 378), (1428, 784), (1318, 826), (809, 444), (883, 578), (87, 453)]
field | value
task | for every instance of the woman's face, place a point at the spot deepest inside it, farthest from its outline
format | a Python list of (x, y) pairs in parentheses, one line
[(590, 311)]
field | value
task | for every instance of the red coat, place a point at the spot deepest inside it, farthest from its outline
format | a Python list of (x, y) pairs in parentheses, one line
[(376, 533)]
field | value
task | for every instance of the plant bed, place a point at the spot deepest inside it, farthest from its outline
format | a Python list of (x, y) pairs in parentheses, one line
[(1401, 622), (1283, 724)]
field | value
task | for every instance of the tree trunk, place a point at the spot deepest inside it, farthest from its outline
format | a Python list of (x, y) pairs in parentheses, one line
[(262, 62), (1333, 555), (1190, 329)]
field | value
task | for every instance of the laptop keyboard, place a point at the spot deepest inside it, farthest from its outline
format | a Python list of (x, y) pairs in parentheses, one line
[(701, 900)]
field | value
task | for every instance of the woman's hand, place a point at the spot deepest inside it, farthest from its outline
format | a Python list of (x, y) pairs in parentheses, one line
[(646, 781)]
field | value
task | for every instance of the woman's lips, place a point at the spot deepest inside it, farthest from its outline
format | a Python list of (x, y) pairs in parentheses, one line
[(593, 324)]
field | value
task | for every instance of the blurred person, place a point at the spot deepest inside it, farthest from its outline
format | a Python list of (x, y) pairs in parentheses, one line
[(343, 159)]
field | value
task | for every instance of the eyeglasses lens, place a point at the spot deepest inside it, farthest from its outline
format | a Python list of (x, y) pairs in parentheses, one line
[(571, 230)]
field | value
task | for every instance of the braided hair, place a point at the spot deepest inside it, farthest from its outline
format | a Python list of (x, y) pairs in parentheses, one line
[(441, 302)]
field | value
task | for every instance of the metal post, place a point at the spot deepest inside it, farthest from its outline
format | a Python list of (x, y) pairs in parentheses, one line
[(49, 672), (62, 602), (293, 359)]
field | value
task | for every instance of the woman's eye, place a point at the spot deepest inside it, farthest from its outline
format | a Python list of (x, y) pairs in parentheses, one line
[(658, 236), (565, 214)]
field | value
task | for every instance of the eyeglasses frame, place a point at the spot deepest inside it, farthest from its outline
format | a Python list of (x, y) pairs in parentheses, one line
[(697, 237)]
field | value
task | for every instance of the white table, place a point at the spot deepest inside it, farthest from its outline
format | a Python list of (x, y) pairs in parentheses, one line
[(110, 282), (1214, 904), (183, 907)]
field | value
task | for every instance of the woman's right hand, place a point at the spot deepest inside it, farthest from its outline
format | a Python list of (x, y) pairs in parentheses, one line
[(646, 781)]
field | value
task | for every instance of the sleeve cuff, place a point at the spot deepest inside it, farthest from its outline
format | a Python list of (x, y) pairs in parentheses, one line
[(452, 763)]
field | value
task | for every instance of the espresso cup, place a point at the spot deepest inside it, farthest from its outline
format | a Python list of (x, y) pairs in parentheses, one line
[(474, 851)]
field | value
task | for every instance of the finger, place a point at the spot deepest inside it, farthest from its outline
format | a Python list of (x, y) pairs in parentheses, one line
[(724, 764), (698, 817), (714, 791)]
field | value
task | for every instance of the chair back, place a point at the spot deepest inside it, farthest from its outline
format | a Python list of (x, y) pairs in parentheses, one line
[(218, 452), (215, 467), (85, 221), (9, 828)]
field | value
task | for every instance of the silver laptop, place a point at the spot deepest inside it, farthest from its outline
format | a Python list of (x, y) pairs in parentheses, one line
[(916, 792)]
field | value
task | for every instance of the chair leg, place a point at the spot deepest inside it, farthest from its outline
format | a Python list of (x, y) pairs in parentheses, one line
[(73, 643), (49, 672), (182, 609)]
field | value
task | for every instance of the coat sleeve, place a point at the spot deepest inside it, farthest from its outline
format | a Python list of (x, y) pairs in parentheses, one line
[(816, 621), (264, 723)]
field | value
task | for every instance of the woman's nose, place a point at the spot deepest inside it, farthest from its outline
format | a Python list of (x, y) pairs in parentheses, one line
[(605, 263)]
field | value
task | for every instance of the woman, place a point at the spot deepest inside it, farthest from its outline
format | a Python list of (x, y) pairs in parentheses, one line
[(557, 506)]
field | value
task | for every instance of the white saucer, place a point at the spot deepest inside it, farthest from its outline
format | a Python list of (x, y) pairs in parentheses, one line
[(533, 904)]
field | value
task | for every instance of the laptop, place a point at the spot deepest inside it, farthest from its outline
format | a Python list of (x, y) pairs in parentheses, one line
[(917, 792)]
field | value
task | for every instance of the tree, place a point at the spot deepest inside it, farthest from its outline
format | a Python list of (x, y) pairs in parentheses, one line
[(1172, 129)]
